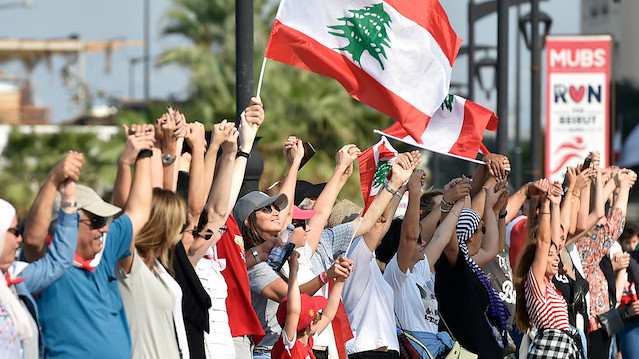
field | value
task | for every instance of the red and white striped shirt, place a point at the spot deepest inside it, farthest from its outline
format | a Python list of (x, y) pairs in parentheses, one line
[(546, 310)]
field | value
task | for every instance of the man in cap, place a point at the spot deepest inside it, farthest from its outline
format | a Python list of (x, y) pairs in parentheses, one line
[(82, 314)]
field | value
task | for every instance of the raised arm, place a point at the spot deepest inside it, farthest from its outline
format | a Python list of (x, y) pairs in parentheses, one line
[(401, 171), (409, 234), (324, 205), (198, 189), (135, 143), (452, 247), (328, 313), (58, 259), (556, 235), (294, 152), (443, 233), (293, 304), (39, 217), (490, 243), (168, 130), (217, 204), (625, 179), (543, 244), (138, 205), (250, 121)]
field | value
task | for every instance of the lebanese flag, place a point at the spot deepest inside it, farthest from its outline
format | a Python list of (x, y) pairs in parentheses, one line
[(393, 55), (456, 129), (374, 167)]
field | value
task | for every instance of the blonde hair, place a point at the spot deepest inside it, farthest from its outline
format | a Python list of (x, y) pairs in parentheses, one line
[(164, 228)]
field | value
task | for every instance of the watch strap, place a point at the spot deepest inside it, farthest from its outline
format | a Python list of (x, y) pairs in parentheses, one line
[(65, 204)]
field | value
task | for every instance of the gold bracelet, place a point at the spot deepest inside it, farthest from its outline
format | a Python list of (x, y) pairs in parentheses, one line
[(455, 213), (545, 218)]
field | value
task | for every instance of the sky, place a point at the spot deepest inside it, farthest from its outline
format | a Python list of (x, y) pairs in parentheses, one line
[(123, 19)]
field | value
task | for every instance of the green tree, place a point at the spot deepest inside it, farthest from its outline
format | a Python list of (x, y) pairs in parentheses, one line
[(28, 157)]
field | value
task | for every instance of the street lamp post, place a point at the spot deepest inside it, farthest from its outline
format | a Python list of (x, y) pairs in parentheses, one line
[(502, 75), (534, 44)]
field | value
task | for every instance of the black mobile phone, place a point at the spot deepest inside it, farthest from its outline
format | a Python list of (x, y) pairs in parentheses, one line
[(587, 163), (309, 151)]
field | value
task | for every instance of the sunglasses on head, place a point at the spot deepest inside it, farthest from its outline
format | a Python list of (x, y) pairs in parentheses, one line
[(269, 208), (95, 222), (15, 231), (299, 223)]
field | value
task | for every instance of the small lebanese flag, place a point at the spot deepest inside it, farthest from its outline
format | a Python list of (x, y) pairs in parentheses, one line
[(393, 55), (456, 129), (374, 167)]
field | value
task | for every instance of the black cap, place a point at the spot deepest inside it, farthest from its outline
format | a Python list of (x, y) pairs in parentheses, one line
[(304, 189)]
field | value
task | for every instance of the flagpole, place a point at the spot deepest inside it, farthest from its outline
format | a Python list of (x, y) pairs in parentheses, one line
[(428, 149), (259, 82)]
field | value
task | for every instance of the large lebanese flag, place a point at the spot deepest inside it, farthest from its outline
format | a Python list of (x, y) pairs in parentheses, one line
[(456, 129), (394, 55)]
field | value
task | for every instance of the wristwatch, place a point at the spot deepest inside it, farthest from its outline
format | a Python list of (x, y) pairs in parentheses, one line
[(168, 159), (65, 204), (256, 255)]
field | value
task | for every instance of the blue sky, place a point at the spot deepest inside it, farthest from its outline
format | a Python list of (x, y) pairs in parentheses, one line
[(100, 20)]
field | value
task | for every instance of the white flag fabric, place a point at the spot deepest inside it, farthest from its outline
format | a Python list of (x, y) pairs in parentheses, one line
[(456, 129), (394, 55)]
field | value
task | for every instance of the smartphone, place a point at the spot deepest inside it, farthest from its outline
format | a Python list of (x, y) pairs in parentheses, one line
[(587, 163), (309, 151)]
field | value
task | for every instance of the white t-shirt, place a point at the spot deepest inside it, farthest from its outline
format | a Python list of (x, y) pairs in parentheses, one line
[(218, 342), (415, 302), (368, 301)]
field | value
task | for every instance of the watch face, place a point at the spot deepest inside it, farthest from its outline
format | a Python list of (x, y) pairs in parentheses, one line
[(167, 159)]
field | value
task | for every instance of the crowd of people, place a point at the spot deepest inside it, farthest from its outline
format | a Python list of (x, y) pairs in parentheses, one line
[(179, 265)]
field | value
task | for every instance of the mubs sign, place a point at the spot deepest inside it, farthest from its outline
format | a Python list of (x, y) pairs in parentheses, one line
[(577, 100)]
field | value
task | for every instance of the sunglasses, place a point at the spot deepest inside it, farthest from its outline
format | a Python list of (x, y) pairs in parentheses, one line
[(208, 234), (95, 222), (299, 223), (269, 208), (483, 229), (15, 231)]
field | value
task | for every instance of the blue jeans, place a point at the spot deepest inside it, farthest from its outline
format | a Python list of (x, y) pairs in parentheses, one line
[(261, 355), (629, 341)]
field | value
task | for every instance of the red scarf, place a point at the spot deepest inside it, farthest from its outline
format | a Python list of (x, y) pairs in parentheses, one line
[(84, 264)]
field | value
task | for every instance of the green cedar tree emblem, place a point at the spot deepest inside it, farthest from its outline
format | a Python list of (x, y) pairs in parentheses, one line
[(448, 103), (381, 172), (366, 31)]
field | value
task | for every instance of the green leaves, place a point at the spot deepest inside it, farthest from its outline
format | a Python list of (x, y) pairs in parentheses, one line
[(366, 31)]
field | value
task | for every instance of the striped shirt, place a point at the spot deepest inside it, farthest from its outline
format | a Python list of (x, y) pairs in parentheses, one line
[(546, 310)]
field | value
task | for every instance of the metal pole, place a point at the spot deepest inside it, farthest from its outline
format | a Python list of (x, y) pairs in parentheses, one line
[(244, 75), (517, 160), (471, 51), (502, 75), (535, 90), (131, 78), (147, 50)]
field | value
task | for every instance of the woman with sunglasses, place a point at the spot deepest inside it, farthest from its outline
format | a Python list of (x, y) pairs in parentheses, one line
[(19, 324), (468, 305)]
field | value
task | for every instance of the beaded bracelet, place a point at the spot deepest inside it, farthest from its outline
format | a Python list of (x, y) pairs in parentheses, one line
[(444, 210), (446, 202)]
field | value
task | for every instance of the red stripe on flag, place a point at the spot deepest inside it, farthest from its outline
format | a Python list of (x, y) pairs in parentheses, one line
[(293, 47), (476, 118), (367, 169), (430, 15)]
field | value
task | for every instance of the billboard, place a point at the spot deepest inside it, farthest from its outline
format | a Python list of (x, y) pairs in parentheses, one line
[(577, 100)]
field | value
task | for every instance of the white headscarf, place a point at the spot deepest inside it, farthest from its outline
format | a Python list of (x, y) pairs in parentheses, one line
[(10, 301)]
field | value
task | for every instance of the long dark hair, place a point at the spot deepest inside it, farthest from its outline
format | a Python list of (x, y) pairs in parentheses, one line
[(252, 236), (525, 260)]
